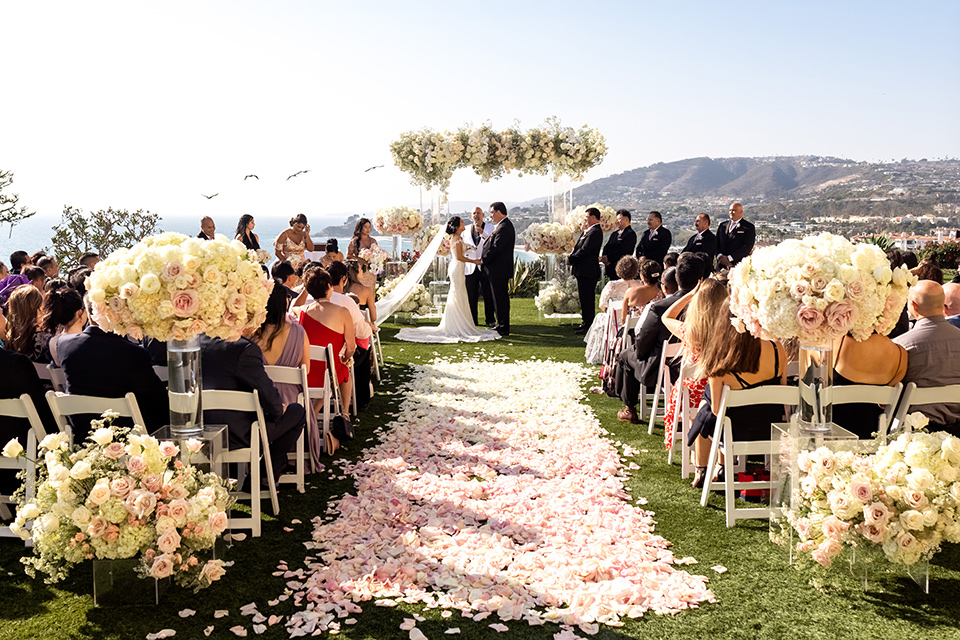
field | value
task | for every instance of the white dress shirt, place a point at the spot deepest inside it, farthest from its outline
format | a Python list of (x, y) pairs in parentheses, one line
[(360, 326), (473, 251)]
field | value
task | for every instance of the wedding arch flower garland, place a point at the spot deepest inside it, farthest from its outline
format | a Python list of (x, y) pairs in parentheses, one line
[(431, 157), (818, 289)]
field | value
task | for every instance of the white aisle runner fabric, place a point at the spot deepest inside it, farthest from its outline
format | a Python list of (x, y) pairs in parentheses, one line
[(493, 493)]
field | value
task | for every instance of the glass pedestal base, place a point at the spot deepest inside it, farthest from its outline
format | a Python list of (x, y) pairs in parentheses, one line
[(116, 584), (213, 443)]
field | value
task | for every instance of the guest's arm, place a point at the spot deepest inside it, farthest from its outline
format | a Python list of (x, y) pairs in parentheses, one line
[(309, 240), (278, 246), (670, 316), (349, 335)]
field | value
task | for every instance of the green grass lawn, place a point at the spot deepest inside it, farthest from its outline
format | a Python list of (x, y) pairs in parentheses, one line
[(760, 596)]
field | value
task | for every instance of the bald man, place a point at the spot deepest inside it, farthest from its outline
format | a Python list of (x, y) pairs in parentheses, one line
[(933, 353), (735, 237), (207, 228), (951, 303)]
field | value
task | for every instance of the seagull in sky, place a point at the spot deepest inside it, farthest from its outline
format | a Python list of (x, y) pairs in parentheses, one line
[(213, 196), (379, 166), (250, 175), (297, 173)]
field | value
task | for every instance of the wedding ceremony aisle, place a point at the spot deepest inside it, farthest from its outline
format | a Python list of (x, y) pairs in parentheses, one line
[(534, 500)]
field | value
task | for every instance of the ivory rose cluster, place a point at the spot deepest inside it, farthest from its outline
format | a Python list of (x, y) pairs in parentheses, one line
[(576, 219), (398, 221), (171, 286), (550, 237)]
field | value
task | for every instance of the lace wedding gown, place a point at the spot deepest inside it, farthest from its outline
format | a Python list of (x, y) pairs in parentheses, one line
[(456, 325)]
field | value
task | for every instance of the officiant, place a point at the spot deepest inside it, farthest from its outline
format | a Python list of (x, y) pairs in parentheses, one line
[(477, 282), (585, 260)]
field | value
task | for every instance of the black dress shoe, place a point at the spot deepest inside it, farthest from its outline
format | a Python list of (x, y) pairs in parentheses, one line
[(581, 332), (491, 325), (503, 331)]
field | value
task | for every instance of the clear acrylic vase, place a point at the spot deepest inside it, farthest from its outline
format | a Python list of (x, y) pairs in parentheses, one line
[(184, 385), (816, 388)]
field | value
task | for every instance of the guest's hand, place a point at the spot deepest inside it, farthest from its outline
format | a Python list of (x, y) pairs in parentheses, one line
[(723, 261), (605, 260)]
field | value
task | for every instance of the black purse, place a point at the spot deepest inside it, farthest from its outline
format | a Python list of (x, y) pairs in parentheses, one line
[(340, 425)]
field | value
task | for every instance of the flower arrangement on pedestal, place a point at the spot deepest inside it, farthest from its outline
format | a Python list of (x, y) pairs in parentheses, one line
[(903, 500), (818, 289), (549, 237), (558, 296), (398, 221), (422, 239), (578, 217), (376, 258), (120, 494), (174, 287)]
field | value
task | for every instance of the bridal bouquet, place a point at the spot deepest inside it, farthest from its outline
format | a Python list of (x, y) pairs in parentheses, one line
[(398, 221), (818, 289), (577, 218), (422, 239), (376, 258), (559, 296), (121, 494), (549, 238), (903, 500), (171, 286)]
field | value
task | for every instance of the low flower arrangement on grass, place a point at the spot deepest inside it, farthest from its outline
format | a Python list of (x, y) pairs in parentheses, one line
[(418, 302), (119, 495), (904, 500), (559, 296)]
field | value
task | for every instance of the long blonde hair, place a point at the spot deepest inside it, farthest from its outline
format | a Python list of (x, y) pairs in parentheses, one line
[(702, 314)]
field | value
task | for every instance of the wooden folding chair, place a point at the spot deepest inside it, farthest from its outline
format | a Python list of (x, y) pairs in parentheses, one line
[(248, 402), (21, 407), (870, 394), (57, 378), (325, 394), (64, 405), (295, 376)]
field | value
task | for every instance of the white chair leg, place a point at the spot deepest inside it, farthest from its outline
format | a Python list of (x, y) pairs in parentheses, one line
[(254, 472), (729, 473), (711, 465), (656, 399)]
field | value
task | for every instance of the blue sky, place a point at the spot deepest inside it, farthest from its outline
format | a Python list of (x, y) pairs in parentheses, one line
[(136, 105)]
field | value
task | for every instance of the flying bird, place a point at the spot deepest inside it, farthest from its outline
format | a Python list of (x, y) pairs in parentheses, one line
[(379, 166), (250, 175), (297, 173), (213, 196)]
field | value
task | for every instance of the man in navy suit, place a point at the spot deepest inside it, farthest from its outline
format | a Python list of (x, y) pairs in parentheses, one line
[(238, 366), (735, 237), (585, 260), (621, 243), (497, 263), (703, 241), (655, 241)]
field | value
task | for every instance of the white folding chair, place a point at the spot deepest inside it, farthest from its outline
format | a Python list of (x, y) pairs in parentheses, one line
[(669, 353), (376, 350), (64, 405), (870, 394), (914, 396), (42, 371), (296, 376), (21, 407), (683, 417), (766, 394), (57, 378), (248, 402), (162, 371), (323, 393)]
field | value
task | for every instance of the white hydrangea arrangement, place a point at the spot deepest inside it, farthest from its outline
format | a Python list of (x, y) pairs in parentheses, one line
[(559, 296), (549, 237), (903, 500), (418, 302), (120, 494), (576, 219), (818, 289), (376, 258), (171, 286), (398, 221)]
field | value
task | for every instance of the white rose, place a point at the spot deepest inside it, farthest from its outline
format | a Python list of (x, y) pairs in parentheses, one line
[(12, 449), (882, 274), (58, 474), (834, 291), (49, 522), (150, 284), (102, 436), (921, 480), (54, 441), (30, 511), (848, 273), (81, 516), (912, 519), (81, 470)]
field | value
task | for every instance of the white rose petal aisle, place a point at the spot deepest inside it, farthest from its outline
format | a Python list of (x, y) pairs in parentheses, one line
[(495, 493)]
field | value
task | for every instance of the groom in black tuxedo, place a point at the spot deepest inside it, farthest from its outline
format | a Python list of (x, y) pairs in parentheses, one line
[(585, 260), (497, 263)]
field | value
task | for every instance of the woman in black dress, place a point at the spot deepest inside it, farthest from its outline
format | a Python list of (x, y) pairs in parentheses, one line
[(245, 232)]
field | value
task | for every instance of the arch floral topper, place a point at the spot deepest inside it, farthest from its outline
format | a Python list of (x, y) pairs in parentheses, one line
[(431, 157)]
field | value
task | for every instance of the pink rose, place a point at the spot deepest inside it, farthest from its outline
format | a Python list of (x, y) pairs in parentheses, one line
[(876, 513), (97, 527), (135, 332), (194, 281), (171, 271), (872, 531), (168, 449), (185, 303), (212, 571), (906, 541), (121, 487), (821, 557), (830, 547), (152, 482), (194, 445), (169, 541), (809, 318), (841, 317), (833, 527), (217, 522), (862, 491), (177, 491), (197, 327), (178, 510), (178, 333), (136, 465), (249, 287), (140, 503), (117, 304), (114, 451), (162, 567), (818, 283), (855, 289), (916, 499), (236, 303), (798, 289)]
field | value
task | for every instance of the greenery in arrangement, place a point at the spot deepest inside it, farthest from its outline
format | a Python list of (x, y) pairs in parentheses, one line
[(100, 231), (759, 596)]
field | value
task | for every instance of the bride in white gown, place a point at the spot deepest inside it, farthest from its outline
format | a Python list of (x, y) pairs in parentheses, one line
[(456, 325)]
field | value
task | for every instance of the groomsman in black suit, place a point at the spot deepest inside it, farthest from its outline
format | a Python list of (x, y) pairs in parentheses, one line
[(207, 228), (585, 260), (497, 263), (621, 243), (655, 241), (735, 237), (703, 241)]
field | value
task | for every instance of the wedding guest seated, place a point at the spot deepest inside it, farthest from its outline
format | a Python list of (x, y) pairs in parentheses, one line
[(107, 365), (366, 295), (739, 361), (876, 360), (333, 253), (89, 260), (4, 272), (24, 334), (613, 293), (361, 329), (62, 314), (77, 278), (670, 260), (951, 303), (286, 275), (668, 282), (928, 270), (18, 376), (328, 323), (639, 366), (36, 276), (933, 353), (645, 290), (19, 260), (49, 266), (238, 366)]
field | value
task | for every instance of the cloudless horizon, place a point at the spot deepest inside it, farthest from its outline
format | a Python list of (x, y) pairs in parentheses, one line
[(148, 106)]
